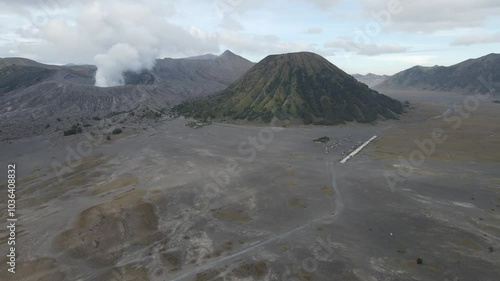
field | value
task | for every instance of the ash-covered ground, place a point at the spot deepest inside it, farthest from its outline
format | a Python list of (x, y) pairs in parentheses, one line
[(228, 202)]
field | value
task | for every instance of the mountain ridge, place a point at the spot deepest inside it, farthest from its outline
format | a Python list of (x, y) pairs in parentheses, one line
[(370, 79), (460, 77), (34, 95), (303, 86)]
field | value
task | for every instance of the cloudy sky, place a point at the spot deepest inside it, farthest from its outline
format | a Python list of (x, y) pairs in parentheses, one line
[(378, 36)]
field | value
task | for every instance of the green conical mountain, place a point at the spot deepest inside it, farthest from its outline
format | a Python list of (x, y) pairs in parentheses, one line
[(296, 86)]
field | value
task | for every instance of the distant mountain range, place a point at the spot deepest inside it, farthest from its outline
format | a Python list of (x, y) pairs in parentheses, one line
[(31, 91), (298, 86), (461, 77), (370, 79)]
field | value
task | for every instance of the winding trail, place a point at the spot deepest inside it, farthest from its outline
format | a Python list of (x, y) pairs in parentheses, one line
[(250, 248), (337, 207), (337, 203)]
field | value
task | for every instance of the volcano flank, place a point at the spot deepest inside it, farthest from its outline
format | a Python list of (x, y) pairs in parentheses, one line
[(297, 86)]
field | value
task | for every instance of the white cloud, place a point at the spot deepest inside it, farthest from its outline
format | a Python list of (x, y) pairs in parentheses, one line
[(427, 17), (263, 45), (225, 7), (79, 30), (410, 60), (229, 23), (374, 50), (313, 30), (106, 29), (366, 49), (323, 4), (481, 38)]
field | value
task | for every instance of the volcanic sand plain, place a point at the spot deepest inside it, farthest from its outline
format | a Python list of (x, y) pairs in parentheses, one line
[(176, 203)]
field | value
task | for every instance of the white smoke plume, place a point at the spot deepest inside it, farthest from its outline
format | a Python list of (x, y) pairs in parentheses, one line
[(130, 35), (120, 58), (138, 44)]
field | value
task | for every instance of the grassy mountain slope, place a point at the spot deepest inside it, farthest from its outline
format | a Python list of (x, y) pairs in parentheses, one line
[(296, 86)]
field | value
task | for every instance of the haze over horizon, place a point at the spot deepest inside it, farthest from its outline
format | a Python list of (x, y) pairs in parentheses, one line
[(382, 37)]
